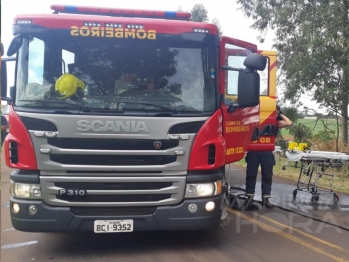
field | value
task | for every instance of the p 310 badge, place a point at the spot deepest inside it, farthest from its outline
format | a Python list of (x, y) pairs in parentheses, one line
[(72, 192)]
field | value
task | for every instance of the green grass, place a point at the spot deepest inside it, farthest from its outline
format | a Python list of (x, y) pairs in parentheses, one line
[(315, 126)]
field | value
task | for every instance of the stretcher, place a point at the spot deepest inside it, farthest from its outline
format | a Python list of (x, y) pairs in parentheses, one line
[(313, 166)]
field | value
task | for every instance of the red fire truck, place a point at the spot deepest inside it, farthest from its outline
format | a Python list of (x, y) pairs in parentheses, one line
[(124, 120)]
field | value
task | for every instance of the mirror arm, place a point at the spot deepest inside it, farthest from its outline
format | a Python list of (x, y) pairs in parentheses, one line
[(232, 68), (8, 99), (231, 108)]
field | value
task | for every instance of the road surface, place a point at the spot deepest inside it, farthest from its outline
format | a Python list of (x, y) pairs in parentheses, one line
[(265, 235)]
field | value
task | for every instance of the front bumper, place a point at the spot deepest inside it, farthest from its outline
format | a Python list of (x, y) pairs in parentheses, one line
[(62, 219)]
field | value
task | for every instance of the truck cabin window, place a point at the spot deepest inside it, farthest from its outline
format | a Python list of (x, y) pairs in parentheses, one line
[(235, 57), (113, 76)]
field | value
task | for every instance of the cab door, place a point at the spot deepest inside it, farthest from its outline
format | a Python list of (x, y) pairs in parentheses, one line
[(240, 125), (266, 140)]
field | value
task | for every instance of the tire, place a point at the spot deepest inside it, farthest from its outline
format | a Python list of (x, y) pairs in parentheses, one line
[(335, 197), (294, 193), (315, 199)]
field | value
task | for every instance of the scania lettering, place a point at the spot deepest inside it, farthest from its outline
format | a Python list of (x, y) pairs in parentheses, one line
[(125, 120), (114, 126)]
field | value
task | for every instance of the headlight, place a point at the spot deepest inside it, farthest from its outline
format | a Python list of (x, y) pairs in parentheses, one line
[(25, 190), (203, 189)]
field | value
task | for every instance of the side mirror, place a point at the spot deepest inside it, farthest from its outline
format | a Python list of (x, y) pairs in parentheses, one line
[(255, 62), (12, 94), (248, 81), (248, 89), (4, 61), (15, 45), (3, 80)]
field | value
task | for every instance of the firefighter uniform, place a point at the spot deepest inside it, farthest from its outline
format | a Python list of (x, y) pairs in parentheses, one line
[(266, 160)]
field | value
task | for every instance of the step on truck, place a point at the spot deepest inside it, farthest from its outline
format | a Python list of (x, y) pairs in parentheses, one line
[(121, 119)]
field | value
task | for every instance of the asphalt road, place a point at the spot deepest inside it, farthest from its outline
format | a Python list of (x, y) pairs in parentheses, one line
[(266, 235)]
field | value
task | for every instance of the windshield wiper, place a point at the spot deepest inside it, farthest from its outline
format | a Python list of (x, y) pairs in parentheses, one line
[(81, 107)]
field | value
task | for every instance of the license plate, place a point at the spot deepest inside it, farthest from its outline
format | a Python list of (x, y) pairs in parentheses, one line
[(113, 226)]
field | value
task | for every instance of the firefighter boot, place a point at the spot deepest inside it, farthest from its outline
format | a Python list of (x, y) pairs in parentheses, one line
[(266, 203), (249, 205)]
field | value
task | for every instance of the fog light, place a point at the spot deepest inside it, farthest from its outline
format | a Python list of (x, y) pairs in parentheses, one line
[(32, 209), (15, 208), (192, 208), (210, 206)]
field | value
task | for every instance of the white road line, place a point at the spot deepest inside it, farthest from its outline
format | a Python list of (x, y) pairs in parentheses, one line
[(8, 229), (19, 244)]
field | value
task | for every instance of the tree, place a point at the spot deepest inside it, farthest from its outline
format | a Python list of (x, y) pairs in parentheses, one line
[(216, 22), (312, 38), (200, 14)]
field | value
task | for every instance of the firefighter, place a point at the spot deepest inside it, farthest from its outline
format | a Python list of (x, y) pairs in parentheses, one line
[(266, 160), (67, 86)]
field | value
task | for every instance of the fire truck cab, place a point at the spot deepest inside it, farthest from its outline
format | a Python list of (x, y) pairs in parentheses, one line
[(121, 120)]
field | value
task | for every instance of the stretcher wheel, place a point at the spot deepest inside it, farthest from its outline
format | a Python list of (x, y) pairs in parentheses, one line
[(283, 167), (335, 197), (315, 199), (294, 193)]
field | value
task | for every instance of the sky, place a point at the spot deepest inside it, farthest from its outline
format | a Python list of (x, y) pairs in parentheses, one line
[(233, 23)]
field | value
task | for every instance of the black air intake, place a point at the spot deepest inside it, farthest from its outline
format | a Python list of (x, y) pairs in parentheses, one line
[(113, 160), (211, 154), (13, 148), (116, 198)]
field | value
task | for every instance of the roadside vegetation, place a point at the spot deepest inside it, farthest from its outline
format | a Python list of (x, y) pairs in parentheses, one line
[(341, 178), (320, 133), (312, 41)]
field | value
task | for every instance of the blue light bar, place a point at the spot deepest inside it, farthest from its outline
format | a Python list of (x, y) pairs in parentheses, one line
[(74, 9), (170, 14), (71, 8)]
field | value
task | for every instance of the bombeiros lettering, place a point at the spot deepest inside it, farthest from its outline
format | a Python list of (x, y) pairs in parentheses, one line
[(113, 126), (111, 32)]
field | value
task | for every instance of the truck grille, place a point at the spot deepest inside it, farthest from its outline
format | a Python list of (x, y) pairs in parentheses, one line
[(115, 198), (113, 160), (114, 186), (110, 144), (114, 192)]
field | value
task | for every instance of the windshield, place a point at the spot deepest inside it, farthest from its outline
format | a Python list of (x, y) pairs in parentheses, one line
[(109, 75)]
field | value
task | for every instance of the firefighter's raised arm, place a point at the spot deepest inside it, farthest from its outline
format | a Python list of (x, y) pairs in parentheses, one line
[(283, 121)]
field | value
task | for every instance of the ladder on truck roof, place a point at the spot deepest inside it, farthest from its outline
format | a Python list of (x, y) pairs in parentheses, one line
[(120, 12)]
